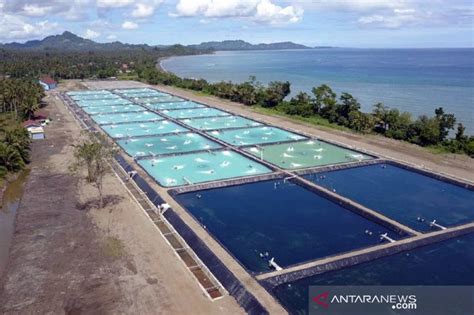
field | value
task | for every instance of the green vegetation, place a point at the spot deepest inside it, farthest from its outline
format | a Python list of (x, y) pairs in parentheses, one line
[(94, 154), (22, 97), (73, 64), (324, 107), (19, 99)]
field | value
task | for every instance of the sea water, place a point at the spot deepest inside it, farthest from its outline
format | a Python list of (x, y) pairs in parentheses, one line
[(413, 80)]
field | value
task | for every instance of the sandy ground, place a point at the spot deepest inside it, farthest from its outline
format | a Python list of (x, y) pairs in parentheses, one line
[(69, 257), (455, 165)]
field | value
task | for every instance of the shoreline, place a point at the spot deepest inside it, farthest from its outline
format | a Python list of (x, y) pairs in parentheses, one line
[(159, 64), (356, 88)]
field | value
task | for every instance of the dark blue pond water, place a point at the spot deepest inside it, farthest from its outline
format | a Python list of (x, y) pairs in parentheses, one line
[(448, 263), (402, 195), (288, 221)]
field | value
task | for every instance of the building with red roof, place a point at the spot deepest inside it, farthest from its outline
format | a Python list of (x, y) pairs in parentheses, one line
[(48, 83)]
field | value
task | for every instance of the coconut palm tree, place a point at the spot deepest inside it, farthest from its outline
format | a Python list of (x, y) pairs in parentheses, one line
[(19, 139), (10, 158)]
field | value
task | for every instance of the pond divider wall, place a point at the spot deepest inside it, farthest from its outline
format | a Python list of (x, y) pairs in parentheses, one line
[(433, 174), (156, 135), (245, 299), (399, 164), (270, 280), (133, 122), (224, 183), (235, 288), (334, 167), (356, 208), (150, 157)]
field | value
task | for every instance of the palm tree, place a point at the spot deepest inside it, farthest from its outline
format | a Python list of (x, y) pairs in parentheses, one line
[(10, 158), (19, 139)]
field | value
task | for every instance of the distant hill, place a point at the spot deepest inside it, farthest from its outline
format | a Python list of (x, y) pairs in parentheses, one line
[(242, 45), (71, 42)]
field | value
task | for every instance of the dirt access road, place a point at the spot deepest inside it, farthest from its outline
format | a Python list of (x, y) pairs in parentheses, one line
[(68, 257)]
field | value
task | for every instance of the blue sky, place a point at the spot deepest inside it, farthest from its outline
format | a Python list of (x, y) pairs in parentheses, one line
[(344, 23)]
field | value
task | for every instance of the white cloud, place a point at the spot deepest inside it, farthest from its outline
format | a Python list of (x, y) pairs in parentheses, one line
[(112, 37), (90, 34), (396, 18), (17, 28), (36, 10), (71, 10), (129, 25), (397, 13), (264, 11), (114, 3), (143, 10), (352, 5), (273, 14)]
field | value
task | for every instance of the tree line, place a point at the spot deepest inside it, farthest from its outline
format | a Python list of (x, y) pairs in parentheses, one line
[(19, 99), (343, 110), (23, 63)]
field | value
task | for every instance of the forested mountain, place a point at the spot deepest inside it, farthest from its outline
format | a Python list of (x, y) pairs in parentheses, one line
[(242, 45), (68, 41)]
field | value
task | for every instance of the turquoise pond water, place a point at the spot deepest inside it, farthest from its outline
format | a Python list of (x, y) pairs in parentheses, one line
[(134, 91), (115, 101), (304, 154), (143, 129), (257, 135), (196, 112), (221, 122), (126, 117), (288, 221), (95, 97), (200, 167), (88, 92), (448, 263), (402, 195), (175, 105), (92, 110), (144, 95), (159, 99), (170, 144)]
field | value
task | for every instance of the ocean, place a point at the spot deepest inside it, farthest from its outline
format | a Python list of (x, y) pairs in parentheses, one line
[(413, 80)]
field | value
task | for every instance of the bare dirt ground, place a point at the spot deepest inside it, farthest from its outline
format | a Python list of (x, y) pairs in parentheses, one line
[(455, 165), (68, 257)]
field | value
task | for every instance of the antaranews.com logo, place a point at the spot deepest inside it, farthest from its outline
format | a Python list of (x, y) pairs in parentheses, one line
[(379, 300), (399, 302)]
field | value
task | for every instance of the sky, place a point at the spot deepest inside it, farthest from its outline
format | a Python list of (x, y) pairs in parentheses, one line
[(341, 23)]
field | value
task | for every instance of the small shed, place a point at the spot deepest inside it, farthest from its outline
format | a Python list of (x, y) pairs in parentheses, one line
[(35, 130), (36, 133), (48, 83)]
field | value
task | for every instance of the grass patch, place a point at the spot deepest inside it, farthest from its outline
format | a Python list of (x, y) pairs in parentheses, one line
[(113, 247), (443, 149), (133, 77), (313, 120)]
